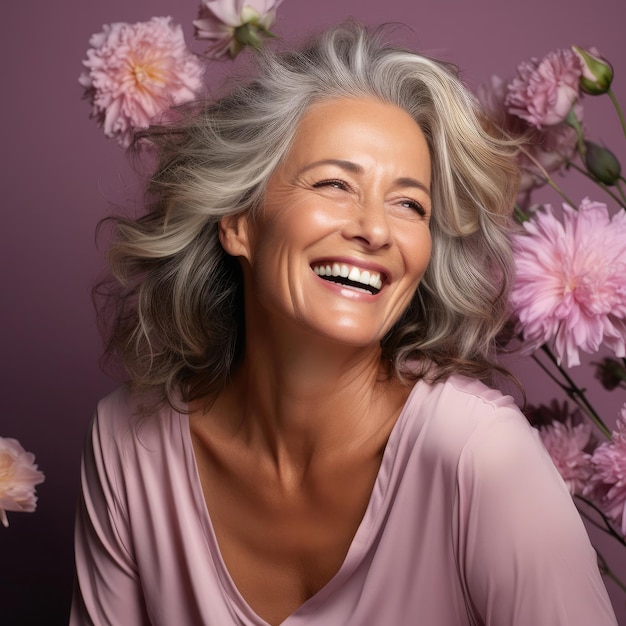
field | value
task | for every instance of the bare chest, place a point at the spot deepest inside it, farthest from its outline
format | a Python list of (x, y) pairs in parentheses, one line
[(282, 545)]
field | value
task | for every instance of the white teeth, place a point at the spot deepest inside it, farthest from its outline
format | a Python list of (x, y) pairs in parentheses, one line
[(365, 277)]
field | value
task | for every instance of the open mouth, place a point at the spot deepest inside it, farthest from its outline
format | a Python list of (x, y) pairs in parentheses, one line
[(366, 281)]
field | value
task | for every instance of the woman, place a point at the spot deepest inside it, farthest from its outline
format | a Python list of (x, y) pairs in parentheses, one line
[(307, 312)]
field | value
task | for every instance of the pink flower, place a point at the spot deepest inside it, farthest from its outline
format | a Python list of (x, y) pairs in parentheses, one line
[(570, 282), (18, 477), (566, 444), (549, 148), (607, 486), (544, 91), (136, 71), (231, 24)]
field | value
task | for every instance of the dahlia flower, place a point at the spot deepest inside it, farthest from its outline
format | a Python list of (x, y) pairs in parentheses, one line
[(136, 71), (566, 445), (544, 91), (570, 283), (229, 25), (607, 485), (550, 148), (18, 477)]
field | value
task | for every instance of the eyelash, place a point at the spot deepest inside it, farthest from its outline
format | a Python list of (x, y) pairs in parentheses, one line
[(416, 206), (340, 184)]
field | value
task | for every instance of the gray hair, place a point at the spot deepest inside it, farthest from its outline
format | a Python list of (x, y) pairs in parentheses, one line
[(178, 297)]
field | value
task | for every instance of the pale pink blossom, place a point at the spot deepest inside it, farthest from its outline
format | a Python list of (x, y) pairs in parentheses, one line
[(544, 91), (138, 71), (566, 445), (570, 284), (18, 477), (231, 24), (544, 150), (607, 485)]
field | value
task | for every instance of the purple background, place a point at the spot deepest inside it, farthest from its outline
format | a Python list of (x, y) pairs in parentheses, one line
[(60, 176)]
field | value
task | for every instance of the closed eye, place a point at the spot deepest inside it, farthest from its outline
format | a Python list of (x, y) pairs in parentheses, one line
[(333, 182), (415, 206)]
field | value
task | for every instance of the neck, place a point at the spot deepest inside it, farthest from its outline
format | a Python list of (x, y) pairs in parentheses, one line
[(299, 397)]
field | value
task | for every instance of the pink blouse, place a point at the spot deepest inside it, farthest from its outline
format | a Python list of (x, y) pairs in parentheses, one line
[(468, 523)]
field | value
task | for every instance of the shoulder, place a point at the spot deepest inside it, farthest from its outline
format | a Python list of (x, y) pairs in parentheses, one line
[(122, 429), (461, 413), (485, 440)]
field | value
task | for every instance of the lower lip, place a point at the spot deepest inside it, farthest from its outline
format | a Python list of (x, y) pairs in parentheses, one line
[(346, 292)]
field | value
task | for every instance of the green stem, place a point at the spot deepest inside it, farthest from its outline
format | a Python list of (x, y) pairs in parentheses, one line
[(605, 570), (572, 120), (600, 184), (577, 394), (550, 375), (547, 177), (608, 527), (519, 214), (593, 522), (620, 188), (620, 114)]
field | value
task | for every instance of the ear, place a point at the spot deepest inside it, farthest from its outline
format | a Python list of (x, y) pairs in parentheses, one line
[(233, 232)]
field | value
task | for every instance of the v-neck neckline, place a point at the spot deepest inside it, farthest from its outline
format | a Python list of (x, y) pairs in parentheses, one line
[(357, 547)]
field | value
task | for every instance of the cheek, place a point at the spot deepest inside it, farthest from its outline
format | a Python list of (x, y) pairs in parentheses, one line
[(418, 248)]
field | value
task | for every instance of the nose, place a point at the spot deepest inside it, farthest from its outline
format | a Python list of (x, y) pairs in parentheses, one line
[(369, 224)]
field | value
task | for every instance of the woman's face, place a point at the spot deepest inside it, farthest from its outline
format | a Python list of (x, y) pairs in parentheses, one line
[(342, 239)]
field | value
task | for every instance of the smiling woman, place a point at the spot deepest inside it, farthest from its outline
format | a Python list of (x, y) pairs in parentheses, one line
[(308, 313), (352, 194)]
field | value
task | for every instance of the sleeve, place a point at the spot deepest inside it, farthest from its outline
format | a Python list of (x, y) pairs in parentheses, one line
[(524, 554), (107, 589)]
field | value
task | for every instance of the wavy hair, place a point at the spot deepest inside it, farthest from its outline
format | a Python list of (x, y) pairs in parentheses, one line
[(177, 297)]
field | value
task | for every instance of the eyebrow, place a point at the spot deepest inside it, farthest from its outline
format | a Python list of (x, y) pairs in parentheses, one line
[(355, 168)]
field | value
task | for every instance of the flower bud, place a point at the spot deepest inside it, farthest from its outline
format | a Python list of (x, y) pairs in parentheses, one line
[(602, 163), (249, 34), (597, 72), (611, 373)]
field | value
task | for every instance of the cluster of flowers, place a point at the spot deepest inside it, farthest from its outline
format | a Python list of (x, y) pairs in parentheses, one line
[(570, 289), (136, 72)]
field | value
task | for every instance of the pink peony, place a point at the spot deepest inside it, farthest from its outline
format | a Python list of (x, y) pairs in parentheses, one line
[(544, 91), (566, 444), (552, 147), (570, 282), (18, 477), (136, 71), (607, 486), (231, 24)]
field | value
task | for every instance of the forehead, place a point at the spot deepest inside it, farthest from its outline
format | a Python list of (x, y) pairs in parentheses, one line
[(360, 128), (343, 111)]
